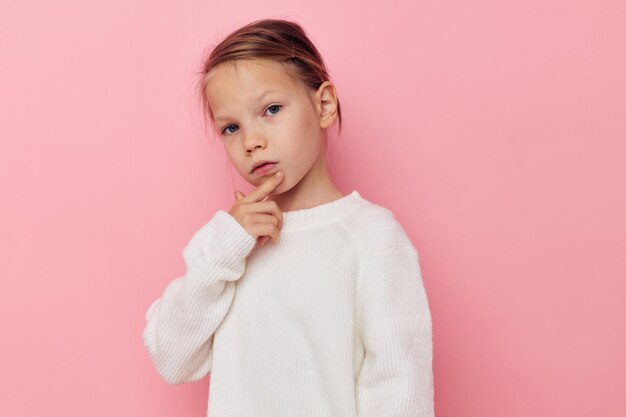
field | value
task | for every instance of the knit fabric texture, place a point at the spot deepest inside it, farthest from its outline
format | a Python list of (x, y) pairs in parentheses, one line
[(332, 320)]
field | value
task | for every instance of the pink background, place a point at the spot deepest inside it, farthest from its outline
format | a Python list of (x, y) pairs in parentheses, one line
[(495, 132)]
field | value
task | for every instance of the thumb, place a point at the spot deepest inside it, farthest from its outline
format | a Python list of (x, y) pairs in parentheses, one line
[(238, 195)]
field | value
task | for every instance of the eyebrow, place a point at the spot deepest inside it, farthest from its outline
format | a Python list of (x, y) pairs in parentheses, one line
[(259, 97)]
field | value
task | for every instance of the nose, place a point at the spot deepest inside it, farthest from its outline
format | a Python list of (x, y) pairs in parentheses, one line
[(253, 141)]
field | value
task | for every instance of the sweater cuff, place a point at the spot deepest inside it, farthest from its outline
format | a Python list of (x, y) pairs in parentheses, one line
[(220, 242)]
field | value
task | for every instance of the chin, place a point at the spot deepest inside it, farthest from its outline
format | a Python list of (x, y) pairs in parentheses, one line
[(276, 190)]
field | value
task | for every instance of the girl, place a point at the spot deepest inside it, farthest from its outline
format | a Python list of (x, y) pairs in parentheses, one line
[(299, 300)]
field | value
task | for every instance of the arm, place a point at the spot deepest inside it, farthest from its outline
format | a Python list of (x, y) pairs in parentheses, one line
[(180, 325), (396, 377)]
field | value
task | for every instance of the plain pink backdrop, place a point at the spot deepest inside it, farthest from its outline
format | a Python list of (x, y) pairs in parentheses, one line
[(495, 132)]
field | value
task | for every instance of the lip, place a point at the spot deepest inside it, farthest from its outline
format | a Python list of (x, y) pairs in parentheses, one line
[(259, 163), (265, 169)]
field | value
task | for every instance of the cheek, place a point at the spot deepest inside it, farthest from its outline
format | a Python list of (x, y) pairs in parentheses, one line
[(234, 160)]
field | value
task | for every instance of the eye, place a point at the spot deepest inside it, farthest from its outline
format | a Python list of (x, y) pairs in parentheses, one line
[(226, 129), (277, 106)]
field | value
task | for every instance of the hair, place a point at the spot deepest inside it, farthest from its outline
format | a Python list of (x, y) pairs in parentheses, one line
[(279, 40)]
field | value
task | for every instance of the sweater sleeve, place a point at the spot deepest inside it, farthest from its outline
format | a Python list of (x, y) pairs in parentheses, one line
[(179, 329), (395, 379)]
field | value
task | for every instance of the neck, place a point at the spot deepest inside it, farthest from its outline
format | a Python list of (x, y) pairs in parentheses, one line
[(322, 214)]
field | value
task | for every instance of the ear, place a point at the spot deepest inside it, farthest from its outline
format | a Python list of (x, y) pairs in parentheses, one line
[(326, 103)]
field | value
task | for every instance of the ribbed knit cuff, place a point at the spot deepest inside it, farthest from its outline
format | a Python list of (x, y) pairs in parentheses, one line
[(220, 242)]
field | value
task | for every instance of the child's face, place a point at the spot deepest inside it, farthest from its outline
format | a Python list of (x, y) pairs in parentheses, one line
[(283, 126)]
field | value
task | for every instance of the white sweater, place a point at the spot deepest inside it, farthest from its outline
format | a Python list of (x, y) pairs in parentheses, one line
[(332, 320)]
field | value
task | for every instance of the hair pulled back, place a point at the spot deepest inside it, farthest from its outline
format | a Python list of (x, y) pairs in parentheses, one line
[(279, 40)]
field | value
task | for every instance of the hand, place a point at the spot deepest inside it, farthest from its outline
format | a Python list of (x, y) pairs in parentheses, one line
[(261, 219)]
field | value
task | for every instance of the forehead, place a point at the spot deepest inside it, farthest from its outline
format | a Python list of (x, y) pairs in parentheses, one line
[(241, 82)]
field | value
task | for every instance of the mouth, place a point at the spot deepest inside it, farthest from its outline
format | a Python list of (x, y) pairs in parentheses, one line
[(263, 168)]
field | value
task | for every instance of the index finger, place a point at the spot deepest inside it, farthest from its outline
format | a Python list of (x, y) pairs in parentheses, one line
[(264, 189)]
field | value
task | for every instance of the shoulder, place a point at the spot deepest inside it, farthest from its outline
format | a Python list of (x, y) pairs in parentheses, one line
[(376, 229), (386, 253)]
